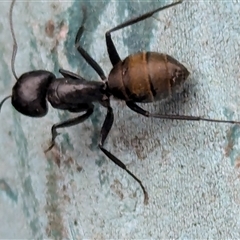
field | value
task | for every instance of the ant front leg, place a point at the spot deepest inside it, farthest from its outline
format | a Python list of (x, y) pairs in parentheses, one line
[(71, 122), (134, 107), (107, 125), (83, 52), (112, 52)]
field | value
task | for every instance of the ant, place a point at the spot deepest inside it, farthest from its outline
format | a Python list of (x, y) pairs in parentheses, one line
[(140, 78)]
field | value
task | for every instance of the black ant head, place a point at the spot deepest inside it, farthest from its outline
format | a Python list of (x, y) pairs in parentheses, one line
[(29, 93)]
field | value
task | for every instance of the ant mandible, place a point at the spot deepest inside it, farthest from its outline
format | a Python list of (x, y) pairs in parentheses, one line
[(140, 78)]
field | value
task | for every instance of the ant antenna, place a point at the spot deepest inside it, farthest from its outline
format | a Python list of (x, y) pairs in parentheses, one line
[(15, 47)]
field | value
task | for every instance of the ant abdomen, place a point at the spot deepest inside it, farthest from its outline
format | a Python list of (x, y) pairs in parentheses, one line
[(29, 93), (146, 77)]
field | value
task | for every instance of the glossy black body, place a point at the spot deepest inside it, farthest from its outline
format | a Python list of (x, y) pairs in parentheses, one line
[(69, 93)]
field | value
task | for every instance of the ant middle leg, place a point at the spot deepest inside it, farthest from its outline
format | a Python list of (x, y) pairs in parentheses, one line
[(84, 53), (134, 107), (71, 122), (107, 125), (112, 52)]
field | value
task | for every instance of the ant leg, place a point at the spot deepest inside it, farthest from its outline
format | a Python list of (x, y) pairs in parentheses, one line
[(107, 125), (83, 52), (112, 52), (70, 122), (134, 107), (68, 74)]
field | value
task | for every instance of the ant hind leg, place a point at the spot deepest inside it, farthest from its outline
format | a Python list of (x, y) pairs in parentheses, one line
[(112, 52), (134, 107)]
